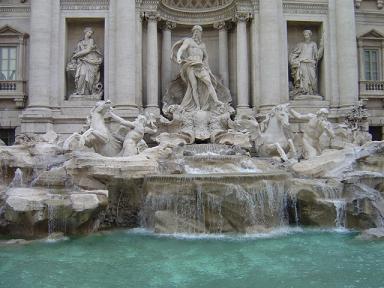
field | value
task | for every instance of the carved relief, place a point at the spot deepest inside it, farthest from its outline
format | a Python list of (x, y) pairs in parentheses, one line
[(84, 4)]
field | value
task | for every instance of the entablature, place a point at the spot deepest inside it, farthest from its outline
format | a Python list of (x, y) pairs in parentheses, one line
[(84, 4)]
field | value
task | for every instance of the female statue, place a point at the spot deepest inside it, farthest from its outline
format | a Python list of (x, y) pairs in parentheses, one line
[(86, 61)]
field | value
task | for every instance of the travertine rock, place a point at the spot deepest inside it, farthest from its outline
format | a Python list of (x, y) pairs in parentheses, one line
[(372, 234), (334, 163), (32, 212)]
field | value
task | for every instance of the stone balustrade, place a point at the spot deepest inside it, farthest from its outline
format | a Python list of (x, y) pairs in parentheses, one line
[(14, 90), (372, 89)]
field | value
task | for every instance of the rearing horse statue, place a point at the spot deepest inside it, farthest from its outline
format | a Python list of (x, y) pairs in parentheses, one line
[(276, 136), (98, 136)]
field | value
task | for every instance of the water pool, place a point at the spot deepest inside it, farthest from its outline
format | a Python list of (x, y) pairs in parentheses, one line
[(140, 259)]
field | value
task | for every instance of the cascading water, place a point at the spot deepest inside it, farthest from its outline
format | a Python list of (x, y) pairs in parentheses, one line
[(56, 216), (340, 206), (18, 180), (333, 194), (216, 204), (377, 200)]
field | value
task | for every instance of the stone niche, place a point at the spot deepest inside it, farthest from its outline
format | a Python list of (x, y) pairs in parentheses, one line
[(75, 33), (295, 35)]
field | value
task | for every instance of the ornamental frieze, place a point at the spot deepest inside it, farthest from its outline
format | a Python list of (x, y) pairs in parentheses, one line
[(84, 4)]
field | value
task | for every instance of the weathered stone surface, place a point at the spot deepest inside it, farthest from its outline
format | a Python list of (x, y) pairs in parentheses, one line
[(33, 212), (335, 163), (168, 222), (81, 202), (85, 167), (372, 234), (55, 177)]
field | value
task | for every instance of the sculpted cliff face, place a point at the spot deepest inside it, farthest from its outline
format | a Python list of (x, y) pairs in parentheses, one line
[(107, 176)]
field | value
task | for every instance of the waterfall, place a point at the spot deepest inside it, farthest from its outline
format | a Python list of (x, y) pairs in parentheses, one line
[(52, 219), (376, 198), (333, 194), (217, 203), (341, 213), (17, 179), (56, 216)]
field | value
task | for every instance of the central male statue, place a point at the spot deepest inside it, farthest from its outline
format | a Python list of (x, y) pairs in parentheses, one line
[(201, 93)]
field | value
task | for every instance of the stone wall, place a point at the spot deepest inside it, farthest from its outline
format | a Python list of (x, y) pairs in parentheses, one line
[(257, 72)]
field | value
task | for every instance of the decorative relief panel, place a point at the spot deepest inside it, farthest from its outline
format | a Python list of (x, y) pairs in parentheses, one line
[(84, 4), (305, 8), (196, 4), (19, 10)]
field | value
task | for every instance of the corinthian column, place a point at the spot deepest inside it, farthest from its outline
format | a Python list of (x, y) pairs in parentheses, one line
[(270, 52), (125, 37), (242, 63), (40, 43), (152, 64), (346, 52), (223, 51), (38, 116), (139, 59), (166, 65)]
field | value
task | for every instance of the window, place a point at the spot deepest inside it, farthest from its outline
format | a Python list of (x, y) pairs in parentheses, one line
[(371, 62), (8, 61), (12, 66), (7, 136), (376, 132)]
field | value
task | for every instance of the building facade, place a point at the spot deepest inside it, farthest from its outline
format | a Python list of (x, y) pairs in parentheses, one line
[(59, 57)]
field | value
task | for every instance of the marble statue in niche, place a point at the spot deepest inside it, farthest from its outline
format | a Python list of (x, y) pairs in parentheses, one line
[(196, 88), (304, 61), (197, 94), (85, 64)]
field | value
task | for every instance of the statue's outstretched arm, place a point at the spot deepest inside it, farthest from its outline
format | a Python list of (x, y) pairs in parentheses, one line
[(121, 120), (328, 129), (150, 130), (300, 116)]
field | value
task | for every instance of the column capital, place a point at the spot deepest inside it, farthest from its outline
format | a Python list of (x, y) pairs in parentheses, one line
[(140, 16), (152, 16), (222, 25), (242, 17), (168, 25)]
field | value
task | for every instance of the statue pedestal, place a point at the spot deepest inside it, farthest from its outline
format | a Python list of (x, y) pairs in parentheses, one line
[(240, 111), (76, 97), (152, 110), (308, 97), (36, 120)]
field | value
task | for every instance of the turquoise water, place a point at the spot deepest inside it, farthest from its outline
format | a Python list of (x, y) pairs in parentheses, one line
[(139, 259)]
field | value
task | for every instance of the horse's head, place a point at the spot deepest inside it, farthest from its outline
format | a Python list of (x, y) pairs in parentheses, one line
[(281, 114)]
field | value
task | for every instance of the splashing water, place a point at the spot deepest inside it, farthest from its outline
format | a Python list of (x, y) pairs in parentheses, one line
[(341, 213), (17, 179)]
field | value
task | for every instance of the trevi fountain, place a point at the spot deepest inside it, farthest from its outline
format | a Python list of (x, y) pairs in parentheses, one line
[(197, 196)]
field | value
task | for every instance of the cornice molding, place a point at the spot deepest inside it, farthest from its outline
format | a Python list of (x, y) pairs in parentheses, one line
[(305, 8), (84, 4), (15, 10)]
